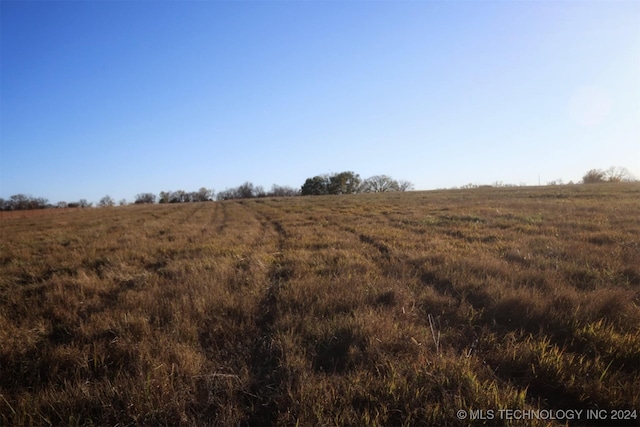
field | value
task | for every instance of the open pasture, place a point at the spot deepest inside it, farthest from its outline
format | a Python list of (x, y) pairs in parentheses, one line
[(387, 309)]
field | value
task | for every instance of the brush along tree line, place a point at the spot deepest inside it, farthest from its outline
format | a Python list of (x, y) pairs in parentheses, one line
[(328, 184), (337, 183), (347, 182)]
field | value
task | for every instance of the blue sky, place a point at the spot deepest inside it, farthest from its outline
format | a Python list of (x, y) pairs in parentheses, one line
[(124, 97)]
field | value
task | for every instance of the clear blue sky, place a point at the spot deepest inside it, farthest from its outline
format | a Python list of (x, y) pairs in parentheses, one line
[(123, 97)]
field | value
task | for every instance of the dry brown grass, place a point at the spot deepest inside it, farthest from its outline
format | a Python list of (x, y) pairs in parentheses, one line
[(394, 309)]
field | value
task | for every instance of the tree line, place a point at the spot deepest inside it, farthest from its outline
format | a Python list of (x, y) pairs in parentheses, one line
[(347, 182), (613, 174), (249, 191), (350, 183)]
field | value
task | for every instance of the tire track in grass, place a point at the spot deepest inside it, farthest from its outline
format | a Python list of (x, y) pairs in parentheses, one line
[(264, 224), (388, 255), (381, 247), (383, 255), (400, 270), (228, 337), (225, 217), (249, 259), (521, 372), (191, 213), (395, 266), (216, 219), (266, 396)]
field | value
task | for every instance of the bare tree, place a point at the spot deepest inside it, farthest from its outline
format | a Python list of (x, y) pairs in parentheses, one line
[(203, 195), (282, 191), (224, 195), (380, 184), (594, 176), (258, 191), (404, 185), (246, 191), (556, 182), (178, 196), (142, 198), (384, 183), (106, 201), (165, 197), (618, 174), (19, 202)]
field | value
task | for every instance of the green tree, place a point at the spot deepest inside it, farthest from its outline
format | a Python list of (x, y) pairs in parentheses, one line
[(316, 186), (344, 183)]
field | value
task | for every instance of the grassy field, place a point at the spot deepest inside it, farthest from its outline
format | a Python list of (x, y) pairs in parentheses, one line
[(393, 309)]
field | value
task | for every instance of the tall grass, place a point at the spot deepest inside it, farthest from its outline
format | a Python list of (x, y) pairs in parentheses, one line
[(396, 309)]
